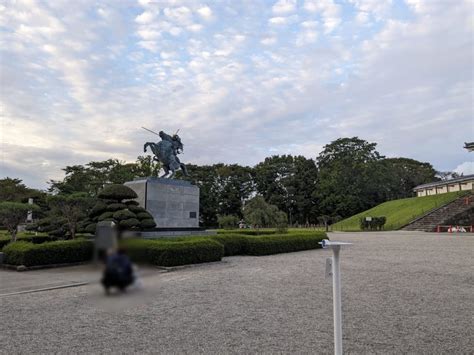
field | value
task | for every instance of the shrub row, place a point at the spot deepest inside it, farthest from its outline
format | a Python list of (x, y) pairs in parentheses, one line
[(58, 252), (171, 252), (174, 253), (275, 244), (239, 244), (36, 239), (245, 231), (376, 223)]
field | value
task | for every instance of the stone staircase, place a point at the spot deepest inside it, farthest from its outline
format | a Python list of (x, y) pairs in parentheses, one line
[(439, 216)]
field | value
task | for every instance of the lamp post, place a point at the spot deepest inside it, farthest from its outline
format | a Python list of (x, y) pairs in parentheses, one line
[(333, 268)]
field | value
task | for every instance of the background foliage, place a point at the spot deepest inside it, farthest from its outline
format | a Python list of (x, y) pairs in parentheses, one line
[(347, 177)]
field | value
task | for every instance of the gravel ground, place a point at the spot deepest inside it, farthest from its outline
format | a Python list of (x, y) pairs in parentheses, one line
[(403, 292)]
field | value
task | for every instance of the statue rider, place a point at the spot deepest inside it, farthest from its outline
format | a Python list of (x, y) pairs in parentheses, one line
[(175, 142)]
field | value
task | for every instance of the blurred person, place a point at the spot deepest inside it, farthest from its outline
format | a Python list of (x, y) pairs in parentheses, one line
[(118, 271)]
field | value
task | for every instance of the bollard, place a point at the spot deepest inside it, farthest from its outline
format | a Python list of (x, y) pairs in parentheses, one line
[(336, 291)]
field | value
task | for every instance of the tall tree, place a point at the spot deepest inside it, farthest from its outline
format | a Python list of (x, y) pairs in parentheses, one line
[(398, 176), (346, 177), (13, 190), (289, 183)]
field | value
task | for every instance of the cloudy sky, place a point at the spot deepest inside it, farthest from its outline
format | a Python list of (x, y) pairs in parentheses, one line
[(242, 80)]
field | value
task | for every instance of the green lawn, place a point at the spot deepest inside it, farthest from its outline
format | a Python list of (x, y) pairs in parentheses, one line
[(398, 212)]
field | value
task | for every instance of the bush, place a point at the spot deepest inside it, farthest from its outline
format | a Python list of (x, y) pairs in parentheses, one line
[(144, 215), (99, 208), (4, 241), (275, 244), (131, 203), (59, 252), (129, 223), (117, 192), (234, 244), (173, 253), (124, 214), (248, 231), (116, 207), (105, 215), (90, 228), (147, 223), (136, 209), (35, 239), (228, 221), (376, 223)]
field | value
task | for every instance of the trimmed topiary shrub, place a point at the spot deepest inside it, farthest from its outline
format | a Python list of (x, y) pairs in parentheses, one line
[(59, 252), (173, 253), (131, 203), (90, 228), (124, 214), (105, 215), (117, 192), (136, 209), (147, 224), (116, 207), (99, 208), (129, 223), (144, 215)]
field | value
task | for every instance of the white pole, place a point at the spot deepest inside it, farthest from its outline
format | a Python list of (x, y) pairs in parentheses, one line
[(336, 295)]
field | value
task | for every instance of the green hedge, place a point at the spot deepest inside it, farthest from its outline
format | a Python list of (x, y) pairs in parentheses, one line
[(174, 253), (36, 239), (246, 231), (59, 252), (271, 243), (169, 252), (234, 244), (275, 244)]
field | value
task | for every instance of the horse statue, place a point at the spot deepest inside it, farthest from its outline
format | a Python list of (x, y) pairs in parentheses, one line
[(166, 152)]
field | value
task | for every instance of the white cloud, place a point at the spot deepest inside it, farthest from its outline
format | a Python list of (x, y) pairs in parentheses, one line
[(180, 15), (466, 168), (195, 27), (378, 8), (278, 20), (282, 21), (284, 7), (205, 12), (146, 17), (362, 17), (268, 41), (330, 12), (306, 37)]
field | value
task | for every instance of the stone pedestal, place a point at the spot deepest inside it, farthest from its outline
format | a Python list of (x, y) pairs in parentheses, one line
[(172, 203)]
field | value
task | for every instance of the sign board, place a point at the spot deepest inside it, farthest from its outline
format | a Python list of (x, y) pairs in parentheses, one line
[(368, 219)]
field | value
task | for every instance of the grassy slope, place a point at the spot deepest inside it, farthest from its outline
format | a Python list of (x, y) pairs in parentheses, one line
[(399, 212)]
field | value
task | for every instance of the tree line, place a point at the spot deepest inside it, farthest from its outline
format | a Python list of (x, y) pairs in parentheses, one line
[(348, 176)]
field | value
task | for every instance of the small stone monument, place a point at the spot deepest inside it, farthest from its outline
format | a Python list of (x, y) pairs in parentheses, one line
[(106, 236), (29, 216)]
